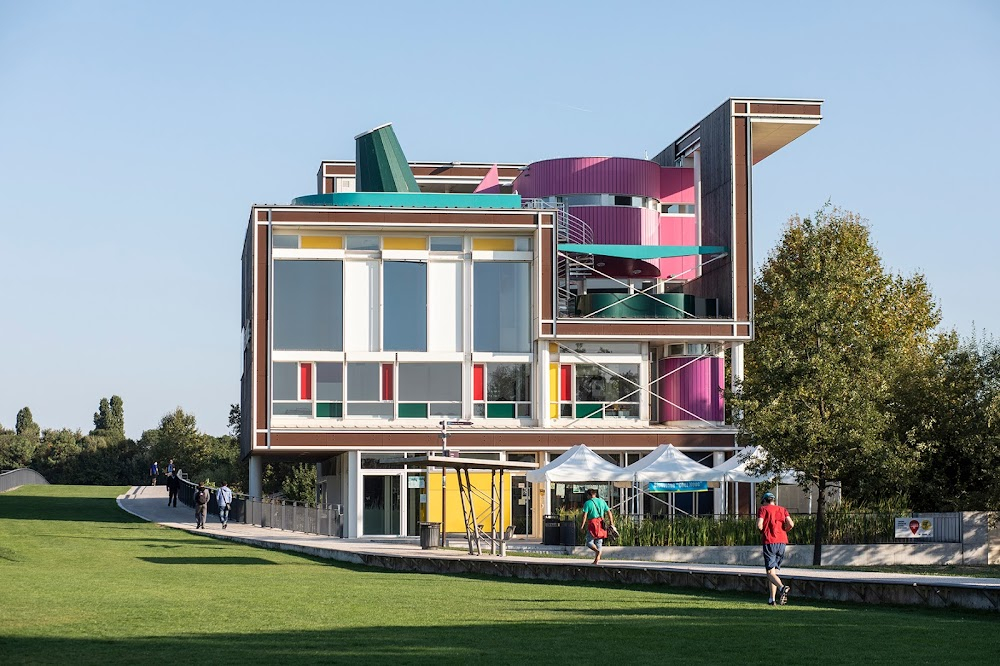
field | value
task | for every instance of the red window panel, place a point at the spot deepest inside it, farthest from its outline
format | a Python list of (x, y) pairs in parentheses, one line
[(305, 381), (387, 381), (478, 381), (565, 382)]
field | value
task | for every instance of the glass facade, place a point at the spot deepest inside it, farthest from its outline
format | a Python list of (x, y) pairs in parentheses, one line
[(308, 305), (501, 306)]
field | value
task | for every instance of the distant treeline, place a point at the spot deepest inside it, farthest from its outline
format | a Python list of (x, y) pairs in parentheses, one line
[(105, 456)]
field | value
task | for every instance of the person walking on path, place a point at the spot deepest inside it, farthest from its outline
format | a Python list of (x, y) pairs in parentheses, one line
[(773, 521), (201, 498), (224, 497), (594, 511), (170, 467), (173, 486), (154, 470)]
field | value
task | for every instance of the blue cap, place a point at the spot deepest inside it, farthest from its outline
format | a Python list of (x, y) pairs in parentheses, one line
[(768, 496)]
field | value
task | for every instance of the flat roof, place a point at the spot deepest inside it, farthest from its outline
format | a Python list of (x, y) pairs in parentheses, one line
[(411, 200)]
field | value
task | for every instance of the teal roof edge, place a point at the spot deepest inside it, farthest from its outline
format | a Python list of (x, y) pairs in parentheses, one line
[(411, 200), (643, 251)]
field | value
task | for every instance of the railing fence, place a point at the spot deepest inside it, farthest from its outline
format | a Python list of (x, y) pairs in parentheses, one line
[(325, 519), (15, 478)]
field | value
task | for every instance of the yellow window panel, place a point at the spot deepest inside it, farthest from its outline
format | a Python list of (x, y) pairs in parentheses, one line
[(398, 243), (322, 243), (493, 244), (456, 521)]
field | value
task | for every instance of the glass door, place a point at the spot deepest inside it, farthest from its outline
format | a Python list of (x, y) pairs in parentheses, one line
[(381, 504)]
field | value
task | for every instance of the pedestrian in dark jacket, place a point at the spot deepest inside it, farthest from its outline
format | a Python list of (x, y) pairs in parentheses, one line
[(201, 498), (173, 485)]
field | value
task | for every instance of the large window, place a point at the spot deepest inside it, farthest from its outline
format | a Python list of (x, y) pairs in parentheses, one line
[(502, 390), (607, 391), (369, 390), (404, 295), (430, 389), (308, 305), (501, 306)]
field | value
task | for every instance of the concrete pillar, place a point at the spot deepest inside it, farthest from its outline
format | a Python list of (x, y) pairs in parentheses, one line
[(354, 500), (718, 457), (544, 385), (256, 477), (736, 364)]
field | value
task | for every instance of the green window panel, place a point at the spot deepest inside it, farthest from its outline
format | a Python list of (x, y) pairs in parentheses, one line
[(500, 411), (330, 410), (588, 411), (413, 410)]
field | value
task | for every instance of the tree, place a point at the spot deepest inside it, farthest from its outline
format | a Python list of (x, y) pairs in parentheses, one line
[(109, 419), (26, 426), (949, 410), (831, 330), (234, 419)]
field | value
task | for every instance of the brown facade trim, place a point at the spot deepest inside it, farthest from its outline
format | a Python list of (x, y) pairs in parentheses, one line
[(740, 107), (262, 341), (262, 216), (570, 328), (397, 216), (546, 254), (444, 170), (616, 439), (741, 244), (785, 109)]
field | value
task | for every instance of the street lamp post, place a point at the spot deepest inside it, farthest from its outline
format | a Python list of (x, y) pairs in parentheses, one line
[(444, 471)]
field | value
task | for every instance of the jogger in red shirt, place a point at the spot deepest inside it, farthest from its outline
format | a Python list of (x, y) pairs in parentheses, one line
[(772, 521)]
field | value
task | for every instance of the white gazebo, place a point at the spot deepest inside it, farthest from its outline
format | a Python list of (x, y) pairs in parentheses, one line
[(734, 470), (580, 465), (667, 464)]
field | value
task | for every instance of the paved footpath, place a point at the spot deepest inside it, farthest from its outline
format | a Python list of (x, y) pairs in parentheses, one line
[(150, 503)]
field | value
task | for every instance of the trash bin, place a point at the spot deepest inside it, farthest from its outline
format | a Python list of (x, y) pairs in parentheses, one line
[(567, 533), (430, 535), (550, 531)]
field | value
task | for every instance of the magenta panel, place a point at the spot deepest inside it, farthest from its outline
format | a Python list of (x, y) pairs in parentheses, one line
[(590, 175), (678, 230), (677, 185), (621, 225), (696, 387)]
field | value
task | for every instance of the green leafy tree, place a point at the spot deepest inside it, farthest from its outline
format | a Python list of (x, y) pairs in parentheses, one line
[(300, 484), (948, 411), (16, 451), (26, 426), (56, 456), (234, 419), (831, 328), (109, 419)]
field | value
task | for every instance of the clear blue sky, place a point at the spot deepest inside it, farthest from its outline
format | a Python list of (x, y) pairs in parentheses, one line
[(134, 136)]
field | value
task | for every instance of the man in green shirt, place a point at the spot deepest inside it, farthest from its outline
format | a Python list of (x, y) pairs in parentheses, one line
[(594, 511)]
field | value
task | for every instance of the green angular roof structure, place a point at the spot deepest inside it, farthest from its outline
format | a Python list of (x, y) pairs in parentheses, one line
[(380, 163)]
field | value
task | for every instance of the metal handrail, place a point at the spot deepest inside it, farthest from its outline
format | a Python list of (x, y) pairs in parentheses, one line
[(309, 518)]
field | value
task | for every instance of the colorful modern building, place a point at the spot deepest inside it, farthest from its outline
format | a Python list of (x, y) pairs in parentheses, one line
[(595, 300)]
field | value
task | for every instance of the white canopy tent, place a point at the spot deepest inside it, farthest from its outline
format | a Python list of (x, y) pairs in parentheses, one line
[(579, 464), (734, 470), (666, 464)]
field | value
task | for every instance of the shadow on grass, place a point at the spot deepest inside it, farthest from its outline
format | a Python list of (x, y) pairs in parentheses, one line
[(35, 507), (206, 560), (689, 634)]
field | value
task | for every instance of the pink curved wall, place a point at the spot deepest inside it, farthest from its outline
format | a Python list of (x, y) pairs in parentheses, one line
[(696, 387), (590, 175), (621, 225)]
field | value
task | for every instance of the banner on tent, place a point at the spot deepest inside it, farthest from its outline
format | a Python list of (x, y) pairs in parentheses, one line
[(676, 486)]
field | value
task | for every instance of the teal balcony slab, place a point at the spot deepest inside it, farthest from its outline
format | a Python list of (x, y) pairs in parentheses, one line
[(427, 200)]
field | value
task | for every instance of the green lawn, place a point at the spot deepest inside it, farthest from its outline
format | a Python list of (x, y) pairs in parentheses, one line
[(83, 582)]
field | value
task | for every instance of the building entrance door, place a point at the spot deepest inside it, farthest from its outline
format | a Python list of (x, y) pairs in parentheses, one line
[(381, 504)]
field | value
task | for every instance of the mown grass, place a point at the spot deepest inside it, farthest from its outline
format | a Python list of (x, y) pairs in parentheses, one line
[(84, 582)]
